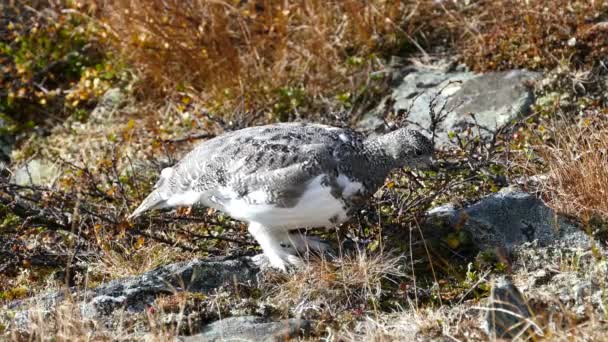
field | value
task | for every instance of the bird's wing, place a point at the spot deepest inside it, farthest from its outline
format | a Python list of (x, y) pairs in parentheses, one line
[(258, 153), (279, 160), (282, 184)]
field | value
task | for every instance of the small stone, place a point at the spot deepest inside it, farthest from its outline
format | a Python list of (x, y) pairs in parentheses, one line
[(494, 98), (508, 313), (109, 102), (252, 328), (6, 144), (36, 172)]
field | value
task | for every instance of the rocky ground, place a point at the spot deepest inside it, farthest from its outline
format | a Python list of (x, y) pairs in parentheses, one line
[(504, 238)]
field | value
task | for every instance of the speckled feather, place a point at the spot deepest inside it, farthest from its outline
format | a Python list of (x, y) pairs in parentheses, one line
[(276, 159), (279, 160)]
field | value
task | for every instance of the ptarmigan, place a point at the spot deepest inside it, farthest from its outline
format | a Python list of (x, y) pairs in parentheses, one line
[(284, 177)]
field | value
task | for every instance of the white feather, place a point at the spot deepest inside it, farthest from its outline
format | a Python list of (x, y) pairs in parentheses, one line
[(166, 172), (317, 207), (184, 199), (258, 197), (344, 137), (349, 187)]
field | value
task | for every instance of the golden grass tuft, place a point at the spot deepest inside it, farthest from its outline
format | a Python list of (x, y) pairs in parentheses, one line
[(123, 261), (346, 288), (577, 165)]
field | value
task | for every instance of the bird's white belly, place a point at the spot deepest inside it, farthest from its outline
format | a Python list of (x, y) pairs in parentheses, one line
[(317, 207)]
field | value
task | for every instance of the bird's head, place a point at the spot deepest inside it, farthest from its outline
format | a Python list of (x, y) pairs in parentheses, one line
[(407, 148)]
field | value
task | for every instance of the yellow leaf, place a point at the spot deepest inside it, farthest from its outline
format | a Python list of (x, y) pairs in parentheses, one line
[(453, 241), (139, 243)]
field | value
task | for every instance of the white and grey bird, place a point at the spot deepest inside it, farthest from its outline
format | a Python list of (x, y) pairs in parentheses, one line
[(280, 178)]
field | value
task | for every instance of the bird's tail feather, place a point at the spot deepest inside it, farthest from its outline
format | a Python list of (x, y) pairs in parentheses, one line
[(153, 201)]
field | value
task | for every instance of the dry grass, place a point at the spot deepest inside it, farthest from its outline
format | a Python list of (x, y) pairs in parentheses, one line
[(272, 55), (64, 323), (281, 55), (348, 288), (294, 59), (343, 297), (577, 165), (121, 261), (340, 294), (67, 323)]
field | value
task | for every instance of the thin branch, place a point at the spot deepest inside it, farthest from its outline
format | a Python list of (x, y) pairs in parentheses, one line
[(193, 136)]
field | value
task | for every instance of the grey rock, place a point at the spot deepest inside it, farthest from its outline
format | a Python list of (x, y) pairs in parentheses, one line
[(134, 294), (251, 328), (202, 276), (371, 122), (507, 219), (111, 100), (494, 98), (508, 315), (571, 279), (36, 172)]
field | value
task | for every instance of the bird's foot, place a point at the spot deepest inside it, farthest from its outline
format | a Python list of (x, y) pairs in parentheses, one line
[(284, 249), (283, 262)]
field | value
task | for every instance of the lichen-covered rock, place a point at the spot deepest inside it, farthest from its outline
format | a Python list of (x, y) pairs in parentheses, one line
[(507, 219), (495, 99), (201, 276), (251, 328), (563, 278), (134, 294)]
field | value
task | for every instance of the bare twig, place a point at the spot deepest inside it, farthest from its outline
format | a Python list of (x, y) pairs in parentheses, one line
[(193, 136)]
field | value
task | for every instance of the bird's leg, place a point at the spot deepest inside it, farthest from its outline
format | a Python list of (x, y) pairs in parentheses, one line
[(275, 244)]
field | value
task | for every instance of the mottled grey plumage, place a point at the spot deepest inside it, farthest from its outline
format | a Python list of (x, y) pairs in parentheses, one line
[(272, 173)]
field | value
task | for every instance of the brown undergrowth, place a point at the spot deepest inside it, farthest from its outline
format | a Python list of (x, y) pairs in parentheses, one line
[(533, 34), (291, 59)]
